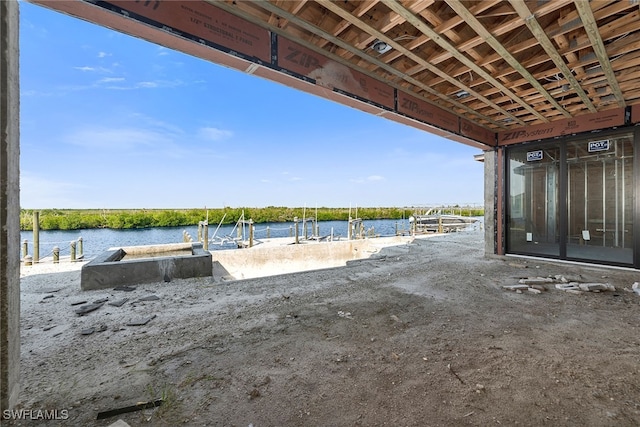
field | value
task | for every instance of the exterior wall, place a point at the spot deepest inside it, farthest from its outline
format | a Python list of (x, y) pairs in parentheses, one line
[(490, 202), (9, 206)]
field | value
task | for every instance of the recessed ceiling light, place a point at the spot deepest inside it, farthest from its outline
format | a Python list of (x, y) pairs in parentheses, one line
[(380, 46)]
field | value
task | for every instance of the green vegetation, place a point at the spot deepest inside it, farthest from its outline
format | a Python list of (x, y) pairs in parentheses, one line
[(76, 219)]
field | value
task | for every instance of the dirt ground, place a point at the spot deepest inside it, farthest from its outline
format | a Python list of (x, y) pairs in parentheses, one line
[(421, 334)]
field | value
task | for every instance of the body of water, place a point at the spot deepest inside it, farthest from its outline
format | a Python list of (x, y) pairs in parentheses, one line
[(95, 241)]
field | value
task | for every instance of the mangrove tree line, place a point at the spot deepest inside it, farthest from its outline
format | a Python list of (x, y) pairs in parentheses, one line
[(76, 219)]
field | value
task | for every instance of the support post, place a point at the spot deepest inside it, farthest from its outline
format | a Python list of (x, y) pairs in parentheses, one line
[(73, 250), (80, 248), (36, 236), (349, 229), (200, 231), (295, 220), (25, 248), (250, 233), (56, 255), (268, 232), (205, 242), (9, 205)]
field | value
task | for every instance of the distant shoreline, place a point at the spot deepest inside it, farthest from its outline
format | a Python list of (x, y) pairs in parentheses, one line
[(119, 219)]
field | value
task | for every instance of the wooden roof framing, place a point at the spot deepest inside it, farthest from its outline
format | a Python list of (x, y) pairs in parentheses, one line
[(500, 64), (496, 66)]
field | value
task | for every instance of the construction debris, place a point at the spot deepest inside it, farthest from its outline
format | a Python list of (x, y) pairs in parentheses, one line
[(536, 285), (141, 322), (636, 288), (535, 280), (88, 308), (132, 408)]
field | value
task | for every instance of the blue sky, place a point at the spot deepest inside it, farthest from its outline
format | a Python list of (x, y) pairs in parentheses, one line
[(112, 121)]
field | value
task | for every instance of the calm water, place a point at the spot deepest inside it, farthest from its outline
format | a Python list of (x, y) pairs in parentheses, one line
[(96, 241)]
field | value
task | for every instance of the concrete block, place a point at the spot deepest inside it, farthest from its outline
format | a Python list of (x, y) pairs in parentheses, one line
[(112, 269)]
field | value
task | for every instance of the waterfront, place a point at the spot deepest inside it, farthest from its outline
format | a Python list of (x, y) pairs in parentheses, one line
[(96, 241)]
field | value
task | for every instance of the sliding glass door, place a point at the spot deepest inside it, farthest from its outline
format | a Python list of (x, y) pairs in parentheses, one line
[(600, 199), (574, 199)]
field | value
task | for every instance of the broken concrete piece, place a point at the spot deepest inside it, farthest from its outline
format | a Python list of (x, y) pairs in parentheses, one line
[(516, 287), (593, 287), (118, 303), (568, 286), (141, 322), (149, 298), (101, 300), (88, 308), (534, 291), (119, 423), (535, 280), (636, 288), (87, 331)]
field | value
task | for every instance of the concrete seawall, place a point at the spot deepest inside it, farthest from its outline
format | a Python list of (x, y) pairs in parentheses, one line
[(281, 256)]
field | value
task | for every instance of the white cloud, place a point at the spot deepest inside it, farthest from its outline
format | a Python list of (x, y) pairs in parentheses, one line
[(214, 134), (147, 84), (124, 139), (375, 178), (86, 69), (111, 80), (103, 54)]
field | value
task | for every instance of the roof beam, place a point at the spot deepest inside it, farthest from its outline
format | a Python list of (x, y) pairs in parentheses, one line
[(539, 33), (233, 9), (435, 37), (473, 22), (590, 26), (416, 58)]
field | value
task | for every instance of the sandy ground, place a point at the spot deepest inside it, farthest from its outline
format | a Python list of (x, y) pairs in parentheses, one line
[(422, 334)]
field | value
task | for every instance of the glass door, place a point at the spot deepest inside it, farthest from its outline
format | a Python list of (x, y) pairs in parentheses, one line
[(533, 221), (600, 199)]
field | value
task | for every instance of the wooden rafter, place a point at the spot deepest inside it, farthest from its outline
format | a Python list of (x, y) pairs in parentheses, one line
[(534, 26), (338, 42), (477, 26), (425, 29), (416, 58), (590, 26)]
